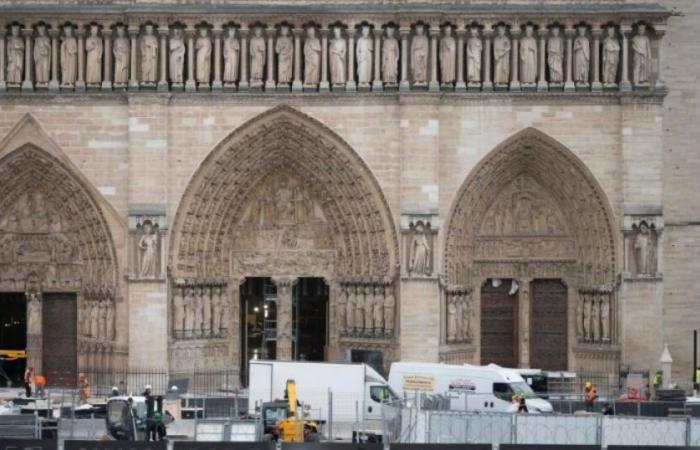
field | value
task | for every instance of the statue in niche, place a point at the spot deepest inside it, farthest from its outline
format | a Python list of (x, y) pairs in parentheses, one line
[(501, 57), (189, 311), (33, 313), (390, 58), (149, 56), (285, 56), (364, 50), (177, 57), (338, 51), (419, 262), (15, 56), (350, 307), (148, 250), (448, 54), (466, 320), (582, 56), (369, 309), (595, 320), (93, 46), (69, 57), (102, 327), (42, 56), (121, 56), (206, 311), (216, 310), (178, 311), (643, 249), (452, 315), (474, 52), (528, 57), (203, 52), (359, 308), (94, 319), (198, 312), (605, 317), (389, 306), (257, 57), (587, 316), (419, 56), (555, 57), (110, 314), (641, 60), (611, 57), (378, 310), (341, 309), (232, 50), (312, 57)]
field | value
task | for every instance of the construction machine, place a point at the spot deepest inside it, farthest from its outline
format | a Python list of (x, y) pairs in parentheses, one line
[(16, 358), (285, 421)]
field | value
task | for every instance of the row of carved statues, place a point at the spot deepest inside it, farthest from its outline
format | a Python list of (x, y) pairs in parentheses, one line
[(594, 315), (459, 315), (97, 316), (200, 310), (366, 310), (365, 58)]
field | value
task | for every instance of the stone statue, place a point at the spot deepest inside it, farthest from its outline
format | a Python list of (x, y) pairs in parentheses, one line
[(15, 56), (611, 57), (225, 310), (338, 51), (420, 252), (369, 308), (587, 316), (474, 52), (419, 56), (466, 320), (579, 315), (359, 308), (605, 317), (364, 51), (452, 315), (33, 313), (148, 249), (350, 307), (642, 249), (94, 49), (582, 57), (149, 56), (257, 57), (206, 312), (641, 60), (42, 56), (448, 55), (198, 311), (177, 57), (216, 310), (341, 309), (178, 311), (232, 50), (501, 57), (389, 306), (378, 310), (95, 319), (555, 57), (121, 57), (285, 56), (102, 327), (595, 320), (189, 311), (110, 316), (312, 58), (390, 58), (203, 52), (69, 57), (528, 57)]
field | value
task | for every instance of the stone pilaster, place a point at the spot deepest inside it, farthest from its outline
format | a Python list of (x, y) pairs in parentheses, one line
[(377, 82), (27, 85), (515, 59), (487, 85), (285, 333), (542, 85), (190, 84), (625, 84), (596, 85), (351, 86), (80, 76), (569, 85), (217, 84), (405, 32), (270, 82), (107, 68), (434, 84), (460, 85), (133, 77)]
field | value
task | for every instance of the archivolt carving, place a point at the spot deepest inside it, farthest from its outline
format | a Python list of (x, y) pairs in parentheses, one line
[(287, 179)]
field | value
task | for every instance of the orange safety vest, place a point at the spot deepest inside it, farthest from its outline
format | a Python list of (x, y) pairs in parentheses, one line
[(40, 380)]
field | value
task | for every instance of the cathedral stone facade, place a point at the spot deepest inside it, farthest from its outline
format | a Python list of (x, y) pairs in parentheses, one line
[(192, 185)]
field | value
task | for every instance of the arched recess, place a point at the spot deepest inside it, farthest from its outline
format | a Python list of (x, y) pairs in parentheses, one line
[(532, 210), (55, 241), (282, 196)]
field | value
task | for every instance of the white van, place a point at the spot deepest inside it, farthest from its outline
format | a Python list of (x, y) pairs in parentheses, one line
[(466, 387)]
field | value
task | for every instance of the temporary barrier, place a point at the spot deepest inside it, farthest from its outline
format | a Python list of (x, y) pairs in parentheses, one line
[(643, 431), (27, 444), (18, 426), (548, 447), (114, 445)]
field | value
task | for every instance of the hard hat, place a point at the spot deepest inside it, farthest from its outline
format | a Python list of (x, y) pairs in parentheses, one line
[(114, 388), (147, 387), (589, 384)]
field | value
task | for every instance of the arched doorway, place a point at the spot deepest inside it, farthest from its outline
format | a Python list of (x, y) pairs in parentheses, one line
[(531, 240), (281, 199), (58, 266)]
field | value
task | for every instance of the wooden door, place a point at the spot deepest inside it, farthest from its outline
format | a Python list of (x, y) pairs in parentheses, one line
[(60, 339), (548, 332), (498, 325)]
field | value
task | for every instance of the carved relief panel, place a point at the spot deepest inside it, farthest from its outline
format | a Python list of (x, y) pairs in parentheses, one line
[(147, 249), (641, 237)]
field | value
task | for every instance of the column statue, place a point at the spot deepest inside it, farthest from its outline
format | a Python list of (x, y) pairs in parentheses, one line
[(95, 319), (369, 309), (350, 308), (452, 315), (595, 319), (605, 316), (466, 316), (232, 50), (448, 55), (555, 57), (579, 316), (390, 58), (419, 56), (338, 51), (149, 56), (69, 57), (389, 307), (474, 53), (587, 316), (216, 310), (177, 57), (189, 311), (198, 311), (257, 57), (225, 310), (178, 312), (528, 57), (94, 48), (611, 57), (285, 57), (42, 56), (15, 56), (364, 55), (341, 309), (359, 309), (206, 311), (582, 57), (378, 310), (33, 313), (312, 58), (203, 52), (121, 57), (641, 61), (501, 57), (111, 317), (102, 327)]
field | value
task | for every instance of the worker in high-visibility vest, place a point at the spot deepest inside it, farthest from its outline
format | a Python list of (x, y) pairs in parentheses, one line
[(590, 396), (696, 381)]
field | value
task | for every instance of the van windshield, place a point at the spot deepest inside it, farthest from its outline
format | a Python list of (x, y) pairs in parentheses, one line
[(506, 391)]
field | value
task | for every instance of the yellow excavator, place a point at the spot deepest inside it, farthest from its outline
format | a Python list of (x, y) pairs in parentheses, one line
[(13, 357), (290, 425)]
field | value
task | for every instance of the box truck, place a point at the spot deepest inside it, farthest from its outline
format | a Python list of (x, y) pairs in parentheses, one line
[(465, 387), (343, 398)]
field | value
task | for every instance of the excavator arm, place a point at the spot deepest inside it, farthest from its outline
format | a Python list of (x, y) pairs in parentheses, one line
[(291, 390)]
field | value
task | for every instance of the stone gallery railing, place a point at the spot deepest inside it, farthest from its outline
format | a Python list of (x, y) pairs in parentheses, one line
[(323, 53)]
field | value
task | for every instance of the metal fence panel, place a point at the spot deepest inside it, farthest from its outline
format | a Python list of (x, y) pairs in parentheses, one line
[(541, 429), (643, 431), (694, 432), (455, 427)]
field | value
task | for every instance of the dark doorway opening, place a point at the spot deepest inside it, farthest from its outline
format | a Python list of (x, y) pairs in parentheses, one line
[(549, 325), (258, 319), (499, 330), (13, 336), (310, 319), (60, 339)]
